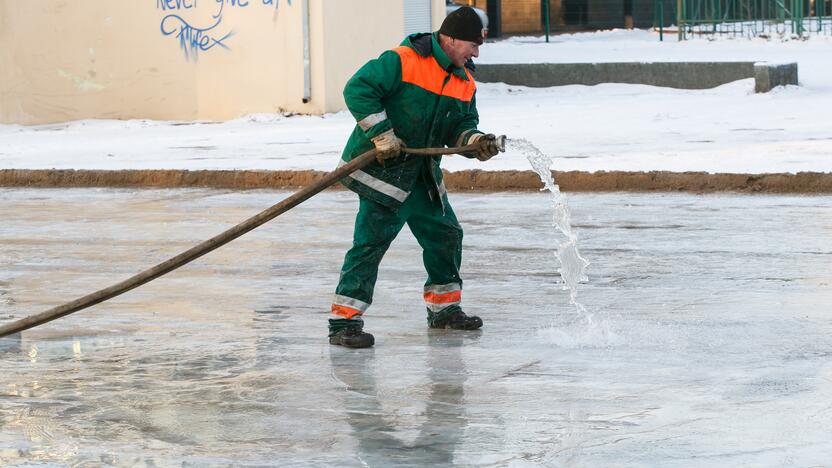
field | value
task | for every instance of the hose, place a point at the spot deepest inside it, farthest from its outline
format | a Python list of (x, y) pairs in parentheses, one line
[(213, 243)]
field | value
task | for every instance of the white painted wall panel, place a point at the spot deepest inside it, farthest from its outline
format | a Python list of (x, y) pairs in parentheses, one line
[(417, 16)]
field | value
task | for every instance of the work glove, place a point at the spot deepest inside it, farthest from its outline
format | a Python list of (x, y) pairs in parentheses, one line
[(388, 145), (488, 147)]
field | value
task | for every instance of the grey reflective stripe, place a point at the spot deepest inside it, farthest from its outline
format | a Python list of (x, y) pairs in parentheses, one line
[(442, 190), (438, 307), (443, 288), (462, 136), (350, 302), (377, 184), (372, 120)]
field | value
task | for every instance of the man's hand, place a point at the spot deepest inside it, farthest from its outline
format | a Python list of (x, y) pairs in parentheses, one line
[(388, 145), (488, 146)]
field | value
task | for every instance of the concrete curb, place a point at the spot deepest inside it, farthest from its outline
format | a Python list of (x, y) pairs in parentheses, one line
[(682, 75), (612, 181), (768, 76)]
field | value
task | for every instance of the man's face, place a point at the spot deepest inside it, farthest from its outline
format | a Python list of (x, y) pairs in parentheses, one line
[(460, 51)]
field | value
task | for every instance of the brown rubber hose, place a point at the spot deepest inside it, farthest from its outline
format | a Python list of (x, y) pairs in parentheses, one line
[(213, 243)]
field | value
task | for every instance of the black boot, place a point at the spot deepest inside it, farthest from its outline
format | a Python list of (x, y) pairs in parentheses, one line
[(352, 337), (456, 320)]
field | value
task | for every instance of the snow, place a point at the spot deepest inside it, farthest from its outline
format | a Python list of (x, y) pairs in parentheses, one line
[(707, 342), (812, 55), (586, 128)]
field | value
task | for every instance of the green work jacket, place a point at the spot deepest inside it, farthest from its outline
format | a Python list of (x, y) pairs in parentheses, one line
[(416, 90)]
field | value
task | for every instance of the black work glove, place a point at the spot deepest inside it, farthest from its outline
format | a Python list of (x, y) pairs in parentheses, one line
[(488, 147)]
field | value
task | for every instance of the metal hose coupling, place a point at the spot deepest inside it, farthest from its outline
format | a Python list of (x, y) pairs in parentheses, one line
[(501, 143)]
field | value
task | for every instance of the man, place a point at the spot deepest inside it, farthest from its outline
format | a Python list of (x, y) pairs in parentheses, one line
[(418, 95)]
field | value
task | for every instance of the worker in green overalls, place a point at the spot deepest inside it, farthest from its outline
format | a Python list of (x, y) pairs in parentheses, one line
[(418, 95)]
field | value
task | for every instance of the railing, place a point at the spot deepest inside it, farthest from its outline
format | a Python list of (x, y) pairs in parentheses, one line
[(750, 18)]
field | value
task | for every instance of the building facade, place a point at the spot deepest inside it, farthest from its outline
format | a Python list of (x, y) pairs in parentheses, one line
[(65, 60)]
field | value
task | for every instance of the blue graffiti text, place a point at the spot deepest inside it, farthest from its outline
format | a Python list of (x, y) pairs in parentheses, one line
[(233, 3), (193, 40), (175, 4)]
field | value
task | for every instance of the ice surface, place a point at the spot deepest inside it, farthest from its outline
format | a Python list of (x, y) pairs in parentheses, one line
[(719, 306)]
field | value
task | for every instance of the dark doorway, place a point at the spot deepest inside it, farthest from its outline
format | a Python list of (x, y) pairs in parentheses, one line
[(575, 12), (492, 9)]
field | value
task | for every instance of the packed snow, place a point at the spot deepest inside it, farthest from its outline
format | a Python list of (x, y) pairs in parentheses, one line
[(587, 128)]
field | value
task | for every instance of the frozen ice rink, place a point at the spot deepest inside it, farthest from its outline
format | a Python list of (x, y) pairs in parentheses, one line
[(708, 340)]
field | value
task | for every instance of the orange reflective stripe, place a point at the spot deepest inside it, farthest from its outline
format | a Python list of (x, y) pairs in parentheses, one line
[(459, 88), (425, 73), (344, 311), (443, 298)]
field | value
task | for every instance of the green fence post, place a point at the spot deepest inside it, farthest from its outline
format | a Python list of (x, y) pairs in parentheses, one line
[(717, 14), (660, 10), (546, 18), (801, 14), (679, 19)]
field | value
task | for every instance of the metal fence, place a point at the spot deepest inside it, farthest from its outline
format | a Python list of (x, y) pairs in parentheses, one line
[(753, 18)]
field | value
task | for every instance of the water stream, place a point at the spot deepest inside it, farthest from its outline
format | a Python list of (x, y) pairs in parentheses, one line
[(572, 264), (586, 329)]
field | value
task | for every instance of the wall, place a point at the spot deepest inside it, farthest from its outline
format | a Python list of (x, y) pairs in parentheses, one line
[(183, 59), (71, 60), (357, 31)]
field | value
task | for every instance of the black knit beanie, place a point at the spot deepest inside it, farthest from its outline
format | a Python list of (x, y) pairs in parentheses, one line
[(463, 23)]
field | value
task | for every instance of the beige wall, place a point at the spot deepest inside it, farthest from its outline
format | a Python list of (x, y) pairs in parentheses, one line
[(65, 60), (347, 46)]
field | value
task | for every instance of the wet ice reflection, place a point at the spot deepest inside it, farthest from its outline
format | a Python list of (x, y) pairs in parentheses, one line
[(718, 307), (433, 425)]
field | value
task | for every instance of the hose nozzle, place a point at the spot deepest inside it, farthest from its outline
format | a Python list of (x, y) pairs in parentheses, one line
[(501, 143)]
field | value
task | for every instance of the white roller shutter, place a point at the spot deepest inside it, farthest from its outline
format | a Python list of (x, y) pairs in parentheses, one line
[(416, 16)]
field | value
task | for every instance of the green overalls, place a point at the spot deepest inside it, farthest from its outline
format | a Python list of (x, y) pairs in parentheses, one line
[(417, 91)]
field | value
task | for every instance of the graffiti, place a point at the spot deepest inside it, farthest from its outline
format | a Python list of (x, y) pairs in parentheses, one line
[(233, 3), (175, 4), (193, 39)]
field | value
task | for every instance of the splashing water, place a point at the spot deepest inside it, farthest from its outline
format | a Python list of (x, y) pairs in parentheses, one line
[(572, 264)]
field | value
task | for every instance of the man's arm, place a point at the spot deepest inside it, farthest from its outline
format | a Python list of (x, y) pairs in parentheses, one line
[(466, 133), (466, 128), (376, 80)]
